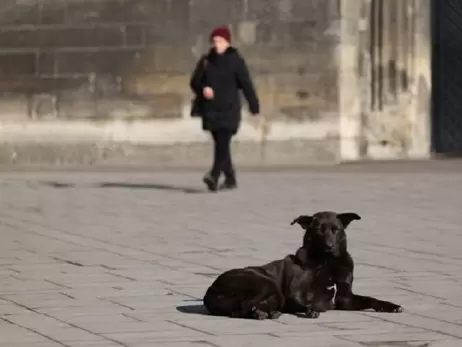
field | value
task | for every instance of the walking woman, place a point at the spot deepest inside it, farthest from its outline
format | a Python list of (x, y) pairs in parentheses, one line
[(216, 81)]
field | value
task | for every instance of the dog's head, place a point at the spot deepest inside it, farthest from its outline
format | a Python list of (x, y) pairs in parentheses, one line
[(325, 231)]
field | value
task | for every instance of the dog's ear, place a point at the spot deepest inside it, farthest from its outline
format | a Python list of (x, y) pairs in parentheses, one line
[(303, 221), (347, 218)]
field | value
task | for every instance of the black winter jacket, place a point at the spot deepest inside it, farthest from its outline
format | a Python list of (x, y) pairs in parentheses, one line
[(226, 74)]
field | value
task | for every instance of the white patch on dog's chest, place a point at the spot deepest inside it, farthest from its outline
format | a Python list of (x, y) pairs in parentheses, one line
[(334, 288)]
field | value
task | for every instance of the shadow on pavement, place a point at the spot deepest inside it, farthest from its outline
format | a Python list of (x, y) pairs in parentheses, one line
[(122, 185), (159, 186), (58, 184), (193, 309)]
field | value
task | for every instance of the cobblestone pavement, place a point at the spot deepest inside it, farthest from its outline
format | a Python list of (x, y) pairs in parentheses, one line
[(123, 259)]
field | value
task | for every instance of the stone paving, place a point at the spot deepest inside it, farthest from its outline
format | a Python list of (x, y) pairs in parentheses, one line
[(123, 259)]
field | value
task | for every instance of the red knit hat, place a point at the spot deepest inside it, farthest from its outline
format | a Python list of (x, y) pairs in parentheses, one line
[(221, 32)]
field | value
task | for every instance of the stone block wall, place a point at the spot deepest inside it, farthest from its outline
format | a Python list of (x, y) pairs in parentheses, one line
[(337, 79), (385, 79), (131, 59)]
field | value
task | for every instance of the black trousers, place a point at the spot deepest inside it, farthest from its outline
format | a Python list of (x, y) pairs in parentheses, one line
[(222, 162)]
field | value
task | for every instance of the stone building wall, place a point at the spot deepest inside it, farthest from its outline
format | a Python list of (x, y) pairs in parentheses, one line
[(145, 50), (388, 108), (113, 75)]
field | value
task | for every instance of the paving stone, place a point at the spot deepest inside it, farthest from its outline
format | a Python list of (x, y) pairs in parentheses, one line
[(417, 337), (428, 323), (14, 334), (445, 343), (45, 343), (273, 341), (86, 265), (154, 336)]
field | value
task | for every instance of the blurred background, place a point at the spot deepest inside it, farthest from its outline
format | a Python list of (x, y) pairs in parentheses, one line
[(115, 253), (106, 81)]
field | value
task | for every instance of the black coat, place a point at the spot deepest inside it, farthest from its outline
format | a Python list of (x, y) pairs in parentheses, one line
[(226, 74)]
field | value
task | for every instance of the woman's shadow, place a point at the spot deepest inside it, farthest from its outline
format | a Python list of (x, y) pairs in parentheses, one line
[(126, 185), (187, 190)]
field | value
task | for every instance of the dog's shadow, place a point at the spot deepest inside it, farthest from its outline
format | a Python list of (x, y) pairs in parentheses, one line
[(193, 309), (202, 311)]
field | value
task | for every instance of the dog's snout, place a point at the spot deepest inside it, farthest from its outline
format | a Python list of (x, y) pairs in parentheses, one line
[(330, 243)]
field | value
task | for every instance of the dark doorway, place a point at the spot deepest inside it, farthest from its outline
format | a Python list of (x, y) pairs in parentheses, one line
[(447, 77)]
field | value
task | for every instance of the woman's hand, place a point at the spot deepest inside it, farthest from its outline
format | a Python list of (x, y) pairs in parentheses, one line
[(258, 122), (208, 93)]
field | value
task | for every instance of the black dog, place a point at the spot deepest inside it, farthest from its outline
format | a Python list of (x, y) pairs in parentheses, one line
[(324, 253), (261, 292), (251, 292), (316, 279)]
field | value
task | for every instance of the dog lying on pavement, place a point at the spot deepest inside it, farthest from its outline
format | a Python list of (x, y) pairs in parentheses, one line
[(316, 279)]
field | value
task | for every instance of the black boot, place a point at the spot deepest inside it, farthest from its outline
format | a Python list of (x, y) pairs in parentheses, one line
[(229, 183), (211, 182)]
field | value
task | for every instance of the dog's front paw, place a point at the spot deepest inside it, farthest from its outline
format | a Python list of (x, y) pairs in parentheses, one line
[(389, 307), (275, 314), (259, 314), (312, 314)]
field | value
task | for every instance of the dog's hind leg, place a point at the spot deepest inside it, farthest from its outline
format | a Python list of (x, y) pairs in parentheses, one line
[(266, 304), (220, 302), (275, 314), (259, 314), (298, 304), (275, 303), (272, 306), (267, 309)]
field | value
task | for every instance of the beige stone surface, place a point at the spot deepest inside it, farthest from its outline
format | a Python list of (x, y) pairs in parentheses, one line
[(123, 258)]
